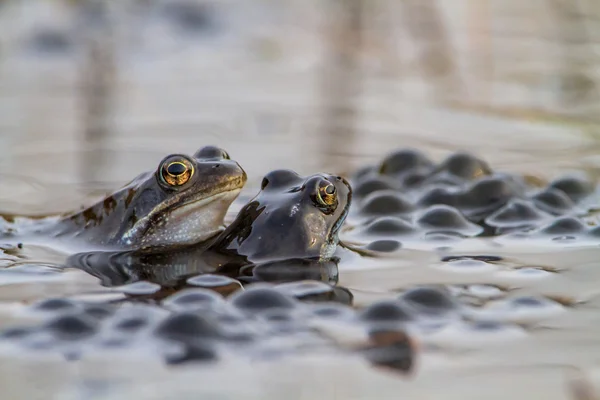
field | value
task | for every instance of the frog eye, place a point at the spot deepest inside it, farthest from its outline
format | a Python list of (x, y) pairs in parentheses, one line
[(326, 194), (176, 171)]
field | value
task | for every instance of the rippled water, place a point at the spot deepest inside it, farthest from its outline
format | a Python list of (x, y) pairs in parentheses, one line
[(479, 310)]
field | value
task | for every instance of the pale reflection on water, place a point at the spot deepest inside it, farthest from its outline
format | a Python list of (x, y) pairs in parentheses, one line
[(174, 95)]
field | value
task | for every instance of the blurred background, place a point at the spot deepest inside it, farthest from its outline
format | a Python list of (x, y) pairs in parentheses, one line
[(94, 92)]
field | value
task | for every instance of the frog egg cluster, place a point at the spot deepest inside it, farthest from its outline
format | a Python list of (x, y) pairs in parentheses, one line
[(275, 320), (407, 198), (201, 325)]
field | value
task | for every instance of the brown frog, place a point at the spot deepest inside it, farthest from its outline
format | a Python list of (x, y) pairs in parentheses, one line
[(182, 202)]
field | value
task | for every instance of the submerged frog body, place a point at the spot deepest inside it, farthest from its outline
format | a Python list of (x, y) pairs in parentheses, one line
[(182, 202), (288, 231)]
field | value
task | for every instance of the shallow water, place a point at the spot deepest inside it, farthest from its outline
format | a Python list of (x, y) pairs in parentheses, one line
[(530, 317)]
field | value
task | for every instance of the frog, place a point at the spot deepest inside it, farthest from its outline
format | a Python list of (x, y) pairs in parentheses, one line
[(290, 217), (286, 232), (183, 201)]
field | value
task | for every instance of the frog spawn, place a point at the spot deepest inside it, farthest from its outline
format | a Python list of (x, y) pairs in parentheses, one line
[(198, 325), (407, 199)]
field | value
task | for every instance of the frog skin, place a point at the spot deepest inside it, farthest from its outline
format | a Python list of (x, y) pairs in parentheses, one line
[(291, 217), (184, 201), (288, 231)]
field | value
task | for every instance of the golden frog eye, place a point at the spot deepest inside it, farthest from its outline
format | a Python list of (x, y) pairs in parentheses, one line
[(176, 173), (326, 194)]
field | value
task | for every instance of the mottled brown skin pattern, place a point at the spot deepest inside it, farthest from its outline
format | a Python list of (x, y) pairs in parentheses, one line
[(113, 220)]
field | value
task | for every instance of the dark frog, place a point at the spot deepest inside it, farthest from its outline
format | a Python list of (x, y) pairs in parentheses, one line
[(291, 217), (182, 202), (288, 231)]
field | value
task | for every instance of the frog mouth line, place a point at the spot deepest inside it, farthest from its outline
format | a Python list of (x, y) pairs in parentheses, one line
[(193, 206), (233, 186), (188, 221)]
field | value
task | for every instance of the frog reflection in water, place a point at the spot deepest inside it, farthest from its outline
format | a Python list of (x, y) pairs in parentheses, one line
[(184, 201), (292, 222)]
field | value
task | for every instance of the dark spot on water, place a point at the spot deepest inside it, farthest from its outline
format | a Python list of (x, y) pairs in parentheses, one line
[(132, 324), (436, 196), (56, 305), (190, 16), (465, 166), (370, 185), (230, 319), (361, 173), (386, 311), (307, 290), (193, 299), (313, 291), (574, 187), (486, 326), (442, 237), (332, 310), (594, 232), (527, 301), (469, 263), (413, 179), (516, 213), (390, 349), (292, 270), (211, 280), (217, 283), (277, 316), (486, 196), (193, 353), (564, 226), (389, 226), (15, 333), (113, 343), (187, 327), (553, 201), (384, 246), (402, 161), (489, 259), (98, 311), (260, 299), (279, 321), (51, 41), (446, 218), (385, 203), (72, 355), (72, 327), (140, 288), (428, 300), (445, 179), (565, 238)]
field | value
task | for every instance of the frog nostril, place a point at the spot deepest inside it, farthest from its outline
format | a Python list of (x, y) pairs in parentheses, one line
[(216, 166)]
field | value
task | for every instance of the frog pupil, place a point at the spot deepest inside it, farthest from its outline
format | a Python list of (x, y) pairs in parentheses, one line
[(330, 189), (176, 169), (264, 183)]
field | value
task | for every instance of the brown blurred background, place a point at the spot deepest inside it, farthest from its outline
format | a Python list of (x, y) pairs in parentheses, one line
[(93, 92)]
